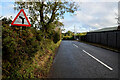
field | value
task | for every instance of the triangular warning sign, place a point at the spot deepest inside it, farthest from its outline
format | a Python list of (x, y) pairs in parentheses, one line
[(21, 19)]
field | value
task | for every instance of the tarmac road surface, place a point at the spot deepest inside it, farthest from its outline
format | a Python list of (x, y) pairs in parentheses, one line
[(79, 60)]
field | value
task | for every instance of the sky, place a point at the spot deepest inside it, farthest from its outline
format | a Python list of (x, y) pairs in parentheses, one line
[(92, 15)]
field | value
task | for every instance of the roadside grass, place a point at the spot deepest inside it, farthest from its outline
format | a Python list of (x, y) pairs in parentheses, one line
[(40, 64), (102, 46), (28, 57)]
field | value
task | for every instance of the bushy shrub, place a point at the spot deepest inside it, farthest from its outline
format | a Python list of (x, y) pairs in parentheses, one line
[(56, 37), (32, 46), (20, 49), (9, 43), (17, 46), (39, 36), (51, 34), (68, 38)]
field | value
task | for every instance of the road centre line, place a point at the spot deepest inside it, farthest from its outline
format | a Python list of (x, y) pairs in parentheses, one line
[(75, 45), (98, 60)]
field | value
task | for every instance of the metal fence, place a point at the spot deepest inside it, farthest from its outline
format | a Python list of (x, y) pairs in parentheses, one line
[(107, 38)]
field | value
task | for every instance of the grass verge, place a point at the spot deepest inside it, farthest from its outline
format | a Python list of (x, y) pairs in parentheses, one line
[(38, 66), (41, 64)]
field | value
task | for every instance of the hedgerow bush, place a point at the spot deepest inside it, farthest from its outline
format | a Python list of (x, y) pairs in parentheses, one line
[(68, 38), (56, 37), (17, 47), (22, 52)]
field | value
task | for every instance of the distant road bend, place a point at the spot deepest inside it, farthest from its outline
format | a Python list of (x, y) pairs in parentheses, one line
[(79, 60)]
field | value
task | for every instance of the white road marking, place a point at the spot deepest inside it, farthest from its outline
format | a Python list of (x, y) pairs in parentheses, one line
[(98, 60), (75, 45)]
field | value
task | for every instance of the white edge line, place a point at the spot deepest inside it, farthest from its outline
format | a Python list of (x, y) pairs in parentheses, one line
[(98, 60), (75, 45)]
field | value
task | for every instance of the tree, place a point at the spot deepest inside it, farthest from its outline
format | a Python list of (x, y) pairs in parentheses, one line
[(46, 13), (69, 33), (6, 20)]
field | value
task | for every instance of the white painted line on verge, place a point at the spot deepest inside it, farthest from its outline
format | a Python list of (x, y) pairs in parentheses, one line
[(98, 60), (75, 45)]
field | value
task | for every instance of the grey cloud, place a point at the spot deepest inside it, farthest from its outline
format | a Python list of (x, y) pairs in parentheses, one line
[(95, 15)]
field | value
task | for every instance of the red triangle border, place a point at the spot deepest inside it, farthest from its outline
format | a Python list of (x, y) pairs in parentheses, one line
[(21, 24)]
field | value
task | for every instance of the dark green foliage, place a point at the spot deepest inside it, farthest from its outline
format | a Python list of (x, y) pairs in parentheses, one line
[(51, 34), (68, 38), (19, 48), (68, 33), (56, 37), (13, 42), (6, 21), (9, 43), (32, 46), (39, 36)]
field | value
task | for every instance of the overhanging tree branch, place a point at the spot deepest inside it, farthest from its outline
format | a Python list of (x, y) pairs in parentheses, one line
[(41, 13), (53, 13)]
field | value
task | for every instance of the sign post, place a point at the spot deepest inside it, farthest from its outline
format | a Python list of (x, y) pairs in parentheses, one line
[(21, 20)]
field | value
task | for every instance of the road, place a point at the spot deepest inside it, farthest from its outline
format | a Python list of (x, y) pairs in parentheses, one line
[(79, 60)]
